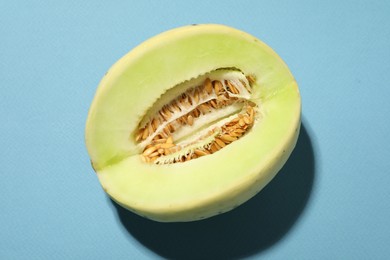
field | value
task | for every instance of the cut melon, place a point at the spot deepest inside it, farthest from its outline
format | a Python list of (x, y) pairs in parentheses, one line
[(155, 126)]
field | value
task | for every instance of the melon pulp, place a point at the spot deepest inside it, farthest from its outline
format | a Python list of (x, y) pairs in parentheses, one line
[(205, 186)]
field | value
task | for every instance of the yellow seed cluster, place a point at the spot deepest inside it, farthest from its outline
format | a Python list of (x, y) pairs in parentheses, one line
[(162, 143)]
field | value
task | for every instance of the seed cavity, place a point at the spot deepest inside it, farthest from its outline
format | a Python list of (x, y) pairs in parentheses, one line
[(205, 115)]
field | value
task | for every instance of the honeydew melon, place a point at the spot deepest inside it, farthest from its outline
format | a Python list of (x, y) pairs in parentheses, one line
[(156, 72)]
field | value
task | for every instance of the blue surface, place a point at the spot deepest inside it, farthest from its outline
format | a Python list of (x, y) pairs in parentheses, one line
[(330, 201)]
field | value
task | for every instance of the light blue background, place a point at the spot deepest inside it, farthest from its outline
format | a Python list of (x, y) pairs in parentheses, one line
[(330, 201)]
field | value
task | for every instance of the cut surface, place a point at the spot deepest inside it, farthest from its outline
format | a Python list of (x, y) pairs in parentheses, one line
[(192, 123)]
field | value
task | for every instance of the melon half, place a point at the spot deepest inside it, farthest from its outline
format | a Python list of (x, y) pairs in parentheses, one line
[(185, 173)]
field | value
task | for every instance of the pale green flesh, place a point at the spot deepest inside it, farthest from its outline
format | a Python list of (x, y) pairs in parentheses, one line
[(201, 187)]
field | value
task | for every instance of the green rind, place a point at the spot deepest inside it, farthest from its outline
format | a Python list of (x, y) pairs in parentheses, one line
[(209, 185)]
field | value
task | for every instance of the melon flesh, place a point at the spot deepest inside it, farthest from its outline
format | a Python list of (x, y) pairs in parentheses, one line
[(205, 186)]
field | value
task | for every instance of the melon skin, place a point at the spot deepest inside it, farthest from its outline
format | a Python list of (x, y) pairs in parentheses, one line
[(209, 185)]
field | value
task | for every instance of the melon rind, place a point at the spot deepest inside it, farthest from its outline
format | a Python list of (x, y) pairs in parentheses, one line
[(209, 185)]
